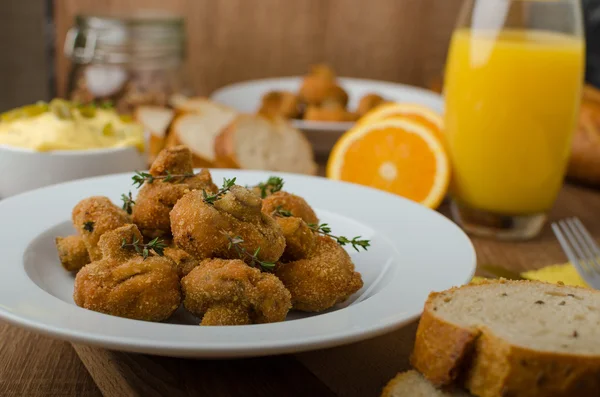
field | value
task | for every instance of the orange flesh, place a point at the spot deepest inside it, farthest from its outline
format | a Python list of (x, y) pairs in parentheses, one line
[(415, 163)]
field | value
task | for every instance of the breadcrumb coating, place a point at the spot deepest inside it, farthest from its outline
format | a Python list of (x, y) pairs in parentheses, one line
[(290, 202), (201, 229), (300, 240), (155, 200), (323, 280), (125, 284), (94, 216), (72, 252), (184, 262)]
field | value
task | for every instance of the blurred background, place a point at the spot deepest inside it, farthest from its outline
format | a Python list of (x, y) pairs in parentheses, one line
[(227, 41)]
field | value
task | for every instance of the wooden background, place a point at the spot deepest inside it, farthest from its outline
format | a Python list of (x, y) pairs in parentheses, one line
[(24, 63), (234, 40)]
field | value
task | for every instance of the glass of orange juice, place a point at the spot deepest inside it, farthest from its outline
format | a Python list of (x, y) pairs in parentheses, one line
[(512, 90)]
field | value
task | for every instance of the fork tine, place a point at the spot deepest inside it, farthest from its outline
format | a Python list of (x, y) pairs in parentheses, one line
[(579, 244), (562, 240), (588, 242), (581, 257)]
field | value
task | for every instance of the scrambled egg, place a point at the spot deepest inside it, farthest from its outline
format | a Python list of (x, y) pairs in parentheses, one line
[(555, 273), (61, 125), (565, 273)]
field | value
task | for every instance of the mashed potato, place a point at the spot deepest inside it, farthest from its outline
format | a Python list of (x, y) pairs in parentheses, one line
[(61, 125)]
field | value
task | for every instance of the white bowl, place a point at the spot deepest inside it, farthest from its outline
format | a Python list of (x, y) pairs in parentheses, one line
[(25, 169)]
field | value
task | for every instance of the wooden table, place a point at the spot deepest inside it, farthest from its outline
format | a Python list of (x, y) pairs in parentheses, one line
[(32, 365)]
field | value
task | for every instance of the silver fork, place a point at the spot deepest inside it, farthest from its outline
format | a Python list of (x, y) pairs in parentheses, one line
[(581, 249)]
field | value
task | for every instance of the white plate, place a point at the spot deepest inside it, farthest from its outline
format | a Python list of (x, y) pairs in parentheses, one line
[(413, 251), (246, 97)]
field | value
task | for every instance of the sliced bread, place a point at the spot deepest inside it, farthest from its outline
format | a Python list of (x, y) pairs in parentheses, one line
[(156, 120), (512, 338), (198, 126), (255, 142), (413, 384)]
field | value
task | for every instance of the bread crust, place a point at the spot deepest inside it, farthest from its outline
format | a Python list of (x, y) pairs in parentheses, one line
[(441, 348), (491, 367), (225, 156), (173, 140), (584, 163), (225, 148), (501, 369), (397, 387)]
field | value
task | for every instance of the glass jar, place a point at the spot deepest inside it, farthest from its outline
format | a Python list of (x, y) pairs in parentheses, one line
[(126, 60)]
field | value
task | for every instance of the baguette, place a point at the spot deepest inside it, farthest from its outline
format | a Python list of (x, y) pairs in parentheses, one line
[(413, 384), (199, 122), (255, 142), (156, 120), (512, 338)]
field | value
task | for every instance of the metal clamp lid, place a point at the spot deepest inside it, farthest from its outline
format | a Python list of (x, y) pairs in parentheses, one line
[(83, 54)]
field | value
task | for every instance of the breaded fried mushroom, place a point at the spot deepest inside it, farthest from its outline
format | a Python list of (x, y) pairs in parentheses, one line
[(280, 104), (323, 280), (315, 89), (204, 230), (229, 292), (322, 70), (72, 252), (296, 205), (330, 113), (155, 200), (300, 240), (125, 284), (368, 102), (94, 216), (184, 262)]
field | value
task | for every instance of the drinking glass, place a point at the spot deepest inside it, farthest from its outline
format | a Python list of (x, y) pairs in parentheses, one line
[(512, 89)]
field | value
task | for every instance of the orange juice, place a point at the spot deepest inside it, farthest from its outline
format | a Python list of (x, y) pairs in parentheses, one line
[(512, 99)]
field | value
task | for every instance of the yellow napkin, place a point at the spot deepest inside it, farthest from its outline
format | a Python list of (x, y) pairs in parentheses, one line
[(550, 274)]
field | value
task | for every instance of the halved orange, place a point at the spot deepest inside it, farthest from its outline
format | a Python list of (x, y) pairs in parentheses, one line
[(411, 111), (396, 155)]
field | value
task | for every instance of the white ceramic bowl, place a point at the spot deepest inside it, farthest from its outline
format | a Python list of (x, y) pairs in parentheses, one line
[(25, 169)]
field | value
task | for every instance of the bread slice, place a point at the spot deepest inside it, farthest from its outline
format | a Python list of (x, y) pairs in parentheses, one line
[(156, 120), (413, 384), (255, 142), (198, 126), (512, 338)]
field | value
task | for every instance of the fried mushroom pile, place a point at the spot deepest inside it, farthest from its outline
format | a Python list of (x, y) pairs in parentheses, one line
[(231, 255)]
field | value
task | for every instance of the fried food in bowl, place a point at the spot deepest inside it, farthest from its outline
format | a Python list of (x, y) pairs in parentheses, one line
[(292, 203), (94, 216), (205, 230), (125, 283), (327, 277), (229, 292), (155, 200)]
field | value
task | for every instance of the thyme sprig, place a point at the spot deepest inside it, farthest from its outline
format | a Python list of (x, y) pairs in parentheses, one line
[(141, 177), (157, 245), (272, 185), (128, 202), (282, 212), (236, 242), (324, 229), (211, 198)]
